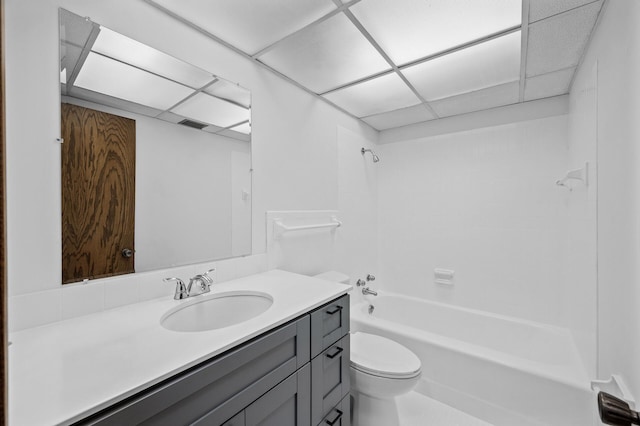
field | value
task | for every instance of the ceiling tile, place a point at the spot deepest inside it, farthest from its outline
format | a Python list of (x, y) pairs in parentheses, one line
[(411, 29), (492, 97), (122, 48), (74, 29), (249, 25), (103, 75), (226, 90), (399, 117), (547, 85), (207, 109), (327, 55), (484, 65), (558, 42), (243, 128), (381, 94), (541, 9)]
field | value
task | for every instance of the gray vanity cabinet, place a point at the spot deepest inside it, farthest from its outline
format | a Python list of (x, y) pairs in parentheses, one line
[(271, 380), (330, 379), (285, 404), (329, 324), (340, 415)]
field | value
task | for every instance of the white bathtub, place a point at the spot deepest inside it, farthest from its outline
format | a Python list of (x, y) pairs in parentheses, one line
[(504, 370)]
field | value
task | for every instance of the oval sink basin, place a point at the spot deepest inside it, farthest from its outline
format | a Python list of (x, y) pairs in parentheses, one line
[(216, 311)]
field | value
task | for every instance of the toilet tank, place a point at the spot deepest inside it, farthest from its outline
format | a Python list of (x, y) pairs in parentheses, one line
[(335, 276)]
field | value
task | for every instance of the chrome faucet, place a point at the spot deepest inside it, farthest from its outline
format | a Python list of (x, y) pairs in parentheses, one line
[(366, 291), (203, 285), (181, 290)]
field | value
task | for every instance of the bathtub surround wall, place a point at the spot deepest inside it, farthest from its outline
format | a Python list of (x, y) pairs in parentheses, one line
[(483, 203), (613, 54), (358, 205), (294, 143), (582, 234)]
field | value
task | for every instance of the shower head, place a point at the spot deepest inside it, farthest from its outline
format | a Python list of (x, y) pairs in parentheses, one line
[(375, 157)]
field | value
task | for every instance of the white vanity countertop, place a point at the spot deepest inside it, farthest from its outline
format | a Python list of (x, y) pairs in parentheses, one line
[(65, 371)]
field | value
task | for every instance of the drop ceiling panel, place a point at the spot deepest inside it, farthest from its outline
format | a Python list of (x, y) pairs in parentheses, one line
[(547, 85), (412, 29), (210, 110), (227, 90), (492, 97), (325, 56), (541, 9), (484, 65), (243, 128), (399, 117), (113, 78), (249, 25), (381, 94), (122, 48), (73, 29), (558, 42)]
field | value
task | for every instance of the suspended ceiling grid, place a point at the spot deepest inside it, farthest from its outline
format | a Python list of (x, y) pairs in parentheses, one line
[(392, 63)]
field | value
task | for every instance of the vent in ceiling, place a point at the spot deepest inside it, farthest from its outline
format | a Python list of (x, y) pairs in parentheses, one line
[(194, 124)]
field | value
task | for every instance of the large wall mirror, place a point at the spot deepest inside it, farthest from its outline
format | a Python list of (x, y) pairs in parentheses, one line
[(156, 157)]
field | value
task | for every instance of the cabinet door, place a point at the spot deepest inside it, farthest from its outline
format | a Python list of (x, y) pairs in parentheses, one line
[(340, 415), (285, 405), (330, 379), (237, 420), (328, 324)]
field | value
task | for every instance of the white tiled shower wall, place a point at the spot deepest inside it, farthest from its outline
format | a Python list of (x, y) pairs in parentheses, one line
[(483, 203)]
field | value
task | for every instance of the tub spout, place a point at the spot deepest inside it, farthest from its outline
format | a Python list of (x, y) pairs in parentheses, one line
[(366, 291)]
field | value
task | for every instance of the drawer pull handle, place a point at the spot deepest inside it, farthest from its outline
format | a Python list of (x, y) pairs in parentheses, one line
[(335, 310), (336, 353), (332, 422)]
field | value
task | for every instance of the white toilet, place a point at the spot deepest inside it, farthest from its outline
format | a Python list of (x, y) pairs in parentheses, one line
[(381, 369)]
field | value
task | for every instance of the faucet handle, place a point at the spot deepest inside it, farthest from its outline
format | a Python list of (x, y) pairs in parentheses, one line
[(371, 278), (181, 289), (360, 282), (207, 277)]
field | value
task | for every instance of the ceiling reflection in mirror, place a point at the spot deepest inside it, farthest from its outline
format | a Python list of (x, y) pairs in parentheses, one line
[(100, 65), (192, 144)]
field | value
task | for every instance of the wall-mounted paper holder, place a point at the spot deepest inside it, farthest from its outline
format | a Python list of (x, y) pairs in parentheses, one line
[(581, 174)]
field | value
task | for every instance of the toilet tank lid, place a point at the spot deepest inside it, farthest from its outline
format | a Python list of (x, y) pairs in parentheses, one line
[(335, 276)]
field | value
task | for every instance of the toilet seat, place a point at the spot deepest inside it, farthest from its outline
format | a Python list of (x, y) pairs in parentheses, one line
[(382, 357)]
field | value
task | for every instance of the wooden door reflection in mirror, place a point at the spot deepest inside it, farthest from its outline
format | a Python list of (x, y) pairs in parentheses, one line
[(98, 194)]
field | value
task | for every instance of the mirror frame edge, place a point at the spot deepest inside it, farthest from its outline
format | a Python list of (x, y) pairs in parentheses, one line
[(3, 229)]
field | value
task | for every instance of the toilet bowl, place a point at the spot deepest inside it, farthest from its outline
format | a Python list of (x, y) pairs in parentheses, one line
[(381, 369)]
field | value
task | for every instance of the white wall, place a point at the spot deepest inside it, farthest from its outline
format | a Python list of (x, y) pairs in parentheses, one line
[(294, 149), (581, 257), (358, 204), (614, 48), (483, 203)]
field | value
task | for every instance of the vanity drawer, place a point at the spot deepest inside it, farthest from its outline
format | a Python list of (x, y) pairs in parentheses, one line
[(330, 381), (216, 390), (328, 324), (340, 415)]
